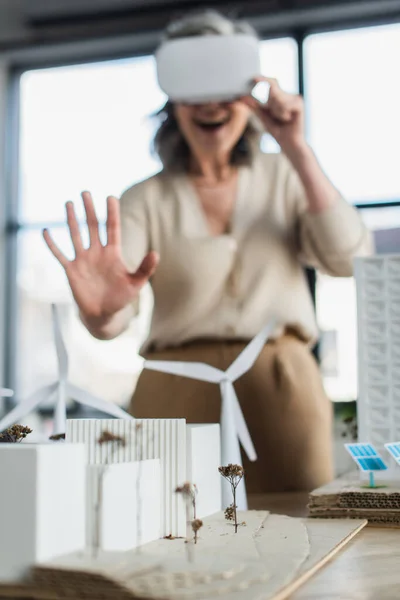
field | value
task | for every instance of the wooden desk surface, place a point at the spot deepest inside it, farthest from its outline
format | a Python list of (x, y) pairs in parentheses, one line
[(368, 568)]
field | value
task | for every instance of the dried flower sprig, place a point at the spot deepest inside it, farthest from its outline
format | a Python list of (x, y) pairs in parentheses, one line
[(189, 493), (107, 437), (6, 438), (14, 434), (19, 431), (234, 475), (196, 525), (57, 437), (112, 441), (229, 513)]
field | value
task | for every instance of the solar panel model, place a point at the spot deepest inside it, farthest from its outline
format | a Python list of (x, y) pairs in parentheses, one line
[(367, 459)]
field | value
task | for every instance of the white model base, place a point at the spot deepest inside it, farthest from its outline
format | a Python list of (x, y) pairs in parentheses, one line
[(129, 513), (268, 558), (42, 504)]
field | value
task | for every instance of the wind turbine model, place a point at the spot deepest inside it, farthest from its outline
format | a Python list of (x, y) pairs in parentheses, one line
[(60, 390), (233, 425)]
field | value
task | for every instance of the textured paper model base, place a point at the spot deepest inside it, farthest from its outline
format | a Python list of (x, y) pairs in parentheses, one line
[(42, 504), (145, 439), (130, 512), (203, 459), (347, 498), (269, 558)]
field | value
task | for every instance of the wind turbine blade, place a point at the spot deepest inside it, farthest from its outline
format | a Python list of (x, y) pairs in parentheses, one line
[(250, 353), (83, 397), (61, 350), (60, 410), (241, 427), (193, 370), (27, 406), (230, 449)]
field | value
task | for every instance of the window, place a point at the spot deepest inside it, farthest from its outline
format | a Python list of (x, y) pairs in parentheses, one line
[(352, 95), (87, 127), (82, 127), (279, 60)]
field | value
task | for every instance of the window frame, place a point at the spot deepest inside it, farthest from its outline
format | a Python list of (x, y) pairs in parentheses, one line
[(21, 61)]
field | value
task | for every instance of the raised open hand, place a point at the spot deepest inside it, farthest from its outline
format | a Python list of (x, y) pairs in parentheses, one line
[(99, 279)]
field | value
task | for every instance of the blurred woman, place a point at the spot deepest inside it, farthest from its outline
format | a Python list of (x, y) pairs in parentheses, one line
[(223, 233)]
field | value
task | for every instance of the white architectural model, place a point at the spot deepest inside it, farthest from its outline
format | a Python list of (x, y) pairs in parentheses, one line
[(42, 505), (155, 439), (63, 497), (119, 494), (129, 512), (378, 307), (203, 449), (164, 439)]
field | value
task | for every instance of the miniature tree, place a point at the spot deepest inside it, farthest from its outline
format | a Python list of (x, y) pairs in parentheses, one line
[(14, 434), (196, 525), (234, 475), (113, 442), (189, 493)]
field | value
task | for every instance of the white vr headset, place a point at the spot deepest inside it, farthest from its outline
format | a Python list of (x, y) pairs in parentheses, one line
[(210, 68)]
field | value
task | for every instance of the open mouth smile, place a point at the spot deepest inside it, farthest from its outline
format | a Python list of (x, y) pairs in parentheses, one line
[(211, 125)]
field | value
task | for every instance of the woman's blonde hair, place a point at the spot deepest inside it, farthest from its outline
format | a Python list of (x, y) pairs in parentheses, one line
[(169, 143)]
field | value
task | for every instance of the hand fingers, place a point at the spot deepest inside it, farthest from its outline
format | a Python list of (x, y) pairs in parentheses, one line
[(276, 93), (262, 113), (146, 269), (91, 219), (74, 228), (285, 107), (113, 222), (271, 125), (281, 106), (279, 111), (253, 103), (54, 249), (281, 103), (273, 85)]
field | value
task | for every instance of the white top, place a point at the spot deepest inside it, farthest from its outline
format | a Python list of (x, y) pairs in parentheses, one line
[(230, 286)]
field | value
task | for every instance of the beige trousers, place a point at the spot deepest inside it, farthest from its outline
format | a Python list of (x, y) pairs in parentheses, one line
[(283, 401)]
